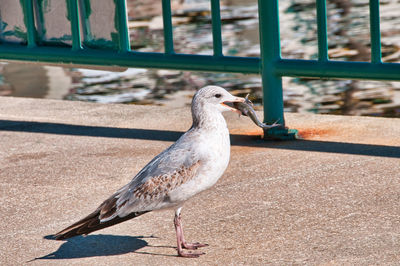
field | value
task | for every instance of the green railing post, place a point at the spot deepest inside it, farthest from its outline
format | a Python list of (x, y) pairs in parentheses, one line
[(272, 83), (168, 28), (376, 55), (322, 31), (124, 44), (216, 27), (29, 20), (85, 10), (73, 15)]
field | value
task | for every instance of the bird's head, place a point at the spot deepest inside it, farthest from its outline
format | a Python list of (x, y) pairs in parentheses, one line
[(215, 98), (209, 102)]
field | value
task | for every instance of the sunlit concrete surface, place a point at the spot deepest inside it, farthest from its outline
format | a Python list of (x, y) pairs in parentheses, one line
[(332, 198)]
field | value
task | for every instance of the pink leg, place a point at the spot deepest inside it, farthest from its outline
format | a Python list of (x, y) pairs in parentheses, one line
[(182, 243)]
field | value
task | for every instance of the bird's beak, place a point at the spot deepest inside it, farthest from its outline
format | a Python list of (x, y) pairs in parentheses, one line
[(231, 104)]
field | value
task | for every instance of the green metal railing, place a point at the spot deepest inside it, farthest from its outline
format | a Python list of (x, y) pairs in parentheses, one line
[(270, 64)]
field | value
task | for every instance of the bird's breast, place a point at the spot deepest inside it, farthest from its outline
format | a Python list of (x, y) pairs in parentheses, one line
[(215, 153), (215, 148)]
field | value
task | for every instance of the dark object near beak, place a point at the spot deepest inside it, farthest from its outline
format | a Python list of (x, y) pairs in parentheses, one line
[(246, 108)]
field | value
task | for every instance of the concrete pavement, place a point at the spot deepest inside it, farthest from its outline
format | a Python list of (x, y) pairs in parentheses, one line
[(332, 198)]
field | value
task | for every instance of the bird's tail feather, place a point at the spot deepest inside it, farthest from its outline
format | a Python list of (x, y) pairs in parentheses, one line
[(92, 223)]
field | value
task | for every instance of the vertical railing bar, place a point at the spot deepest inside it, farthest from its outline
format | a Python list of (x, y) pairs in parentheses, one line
[(122, 26), (168, 30), (270, 53), (375, 32), (74, 20), (86, 30), (29, 20), (322, 31), (216, 27)]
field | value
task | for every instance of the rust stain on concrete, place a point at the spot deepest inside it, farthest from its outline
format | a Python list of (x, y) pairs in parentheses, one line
[(310, 133)]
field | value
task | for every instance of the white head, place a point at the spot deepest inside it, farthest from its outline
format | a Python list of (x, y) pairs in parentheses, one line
[(211, 101)]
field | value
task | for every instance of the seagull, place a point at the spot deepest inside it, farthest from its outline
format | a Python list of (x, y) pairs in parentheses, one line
[(191, 165)]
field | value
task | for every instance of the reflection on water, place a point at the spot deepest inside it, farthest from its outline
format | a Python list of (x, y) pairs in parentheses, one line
[(34, 81), (24, 80), (348, 30)]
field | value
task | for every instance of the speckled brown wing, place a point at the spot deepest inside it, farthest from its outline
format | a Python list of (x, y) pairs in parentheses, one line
[(159, 186)]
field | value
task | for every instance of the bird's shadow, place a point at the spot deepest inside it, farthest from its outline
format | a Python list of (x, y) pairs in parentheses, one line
[(95, 245)]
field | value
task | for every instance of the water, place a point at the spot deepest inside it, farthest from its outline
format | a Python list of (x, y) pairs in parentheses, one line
[(348, 29)]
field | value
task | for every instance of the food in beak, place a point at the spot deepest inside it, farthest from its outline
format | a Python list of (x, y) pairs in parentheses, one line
[(246, 109), (231, 105)]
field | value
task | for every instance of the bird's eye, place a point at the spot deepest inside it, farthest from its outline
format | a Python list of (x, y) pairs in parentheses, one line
[(217, 95)]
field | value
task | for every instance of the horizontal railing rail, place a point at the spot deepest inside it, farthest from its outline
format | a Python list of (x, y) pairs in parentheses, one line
[(190, 62)]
